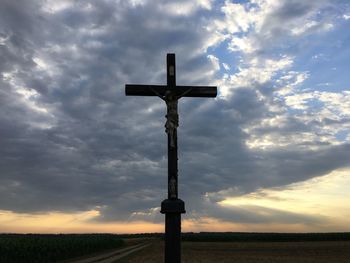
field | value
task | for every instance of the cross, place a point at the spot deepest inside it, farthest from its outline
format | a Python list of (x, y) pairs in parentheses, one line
[(172, 207)]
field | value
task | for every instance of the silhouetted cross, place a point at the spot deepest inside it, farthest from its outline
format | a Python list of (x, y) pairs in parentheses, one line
[(171, 93)]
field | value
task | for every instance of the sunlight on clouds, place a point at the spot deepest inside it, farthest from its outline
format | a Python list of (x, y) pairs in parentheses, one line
[(210, 224), (3, 39), (238, 18), (243, 44), (324, 196), (311, 25), (265, 142), (323, 110), (207, 4), (252, 24), (253, 27), (215, 62), (306, 26), (185, 8), (276, 136), (53, 6), (298, 101), (335, 105), (28, 98), (27, 95), (226, 66), (300, 140), (256, 71), (339, 103), (289, 82), (45, 222), (40, 63), (79, 222), (137, 2)]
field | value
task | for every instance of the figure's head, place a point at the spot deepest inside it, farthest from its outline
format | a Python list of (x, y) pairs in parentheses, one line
[(168, 95)]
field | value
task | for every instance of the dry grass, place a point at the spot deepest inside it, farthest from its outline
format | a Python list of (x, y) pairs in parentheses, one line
[(246, 252)]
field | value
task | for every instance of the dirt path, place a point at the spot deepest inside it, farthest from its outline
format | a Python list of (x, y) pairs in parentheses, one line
[(114, 255)]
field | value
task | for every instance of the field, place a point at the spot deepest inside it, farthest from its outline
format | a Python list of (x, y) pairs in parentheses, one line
[(251, 252), (196, 247), (36, 248)]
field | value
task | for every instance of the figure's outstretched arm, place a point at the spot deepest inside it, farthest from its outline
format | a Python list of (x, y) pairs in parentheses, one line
[(184, 93), (175, 97), (157, 93)]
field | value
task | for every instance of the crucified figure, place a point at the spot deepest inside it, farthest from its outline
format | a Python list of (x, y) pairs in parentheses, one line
[(172, 115)]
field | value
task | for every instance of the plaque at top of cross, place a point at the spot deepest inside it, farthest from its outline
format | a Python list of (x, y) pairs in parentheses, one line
[(171, 93)]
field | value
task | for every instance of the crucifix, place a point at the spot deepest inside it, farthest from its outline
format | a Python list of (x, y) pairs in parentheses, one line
[(172, 207)]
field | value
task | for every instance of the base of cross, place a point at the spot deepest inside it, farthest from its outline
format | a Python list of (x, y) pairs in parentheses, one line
[(173, 208)]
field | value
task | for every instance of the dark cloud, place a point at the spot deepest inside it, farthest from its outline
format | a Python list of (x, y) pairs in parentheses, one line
[(94, 148)]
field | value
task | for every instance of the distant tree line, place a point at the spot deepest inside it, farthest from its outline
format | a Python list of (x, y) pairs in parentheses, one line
[(263, 237), (142, 235), (249, 236)]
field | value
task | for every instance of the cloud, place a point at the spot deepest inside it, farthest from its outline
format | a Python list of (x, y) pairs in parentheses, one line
[(71, 140), (346, 17), (256, 26), (68, 140)]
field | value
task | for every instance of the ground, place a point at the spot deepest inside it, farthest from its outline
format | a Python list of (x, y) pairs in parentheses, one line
[(250, 252)]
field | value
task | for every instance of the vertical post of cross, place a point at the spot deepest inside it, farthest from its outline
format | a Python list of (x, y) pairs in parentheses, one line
[(172, 207)]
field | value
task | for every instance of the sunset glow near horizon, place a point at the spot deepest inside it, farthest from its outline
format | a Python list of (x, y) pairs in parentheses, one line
[(323, 197), (270, 154)]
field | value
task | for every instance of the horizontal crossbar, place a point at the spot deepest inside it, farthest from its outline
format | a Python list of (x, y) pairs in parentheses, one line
[(183, 91)]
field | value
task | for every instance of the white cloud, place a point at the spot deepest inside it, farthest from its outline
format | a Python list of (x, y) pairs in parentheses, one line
[(243, 44), (320, 117), (226, 66), (255, 30), (215, 62), (258, 71), (304, 28), (299, 101), (346, 17), (3, 39), (185, 8), (289, 81), (257, 25), (137, 2), (40, 63), (52, 6), (238, 18), (335, 104), (207, 4)]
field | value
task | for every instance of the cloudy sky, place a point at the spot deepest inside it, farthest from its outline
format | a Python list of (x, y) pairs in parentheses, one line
[(270, 153)]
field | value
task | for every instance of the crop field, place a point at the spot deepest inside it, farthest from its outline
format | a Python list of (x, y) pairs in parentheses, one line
[(17, 248), (250, 252), (196, 247)]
